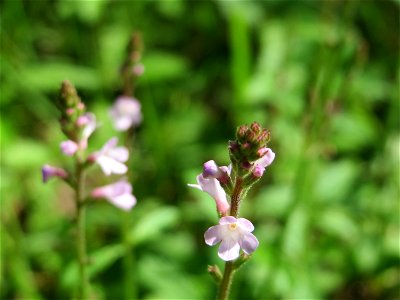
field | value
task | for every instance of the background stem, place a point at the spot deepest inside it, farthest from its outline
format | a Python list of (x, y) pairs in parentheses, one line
[(128, 260), (81, 235)]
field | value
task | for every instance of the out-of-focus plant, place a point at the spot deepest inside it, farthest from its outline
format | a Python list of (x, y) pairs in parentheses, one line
[(78, 125), (126, 114)]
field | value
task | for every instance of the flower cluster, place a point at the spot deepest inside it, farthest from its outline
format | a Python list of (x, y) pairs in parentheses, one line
[(78, 125), (249, 158)]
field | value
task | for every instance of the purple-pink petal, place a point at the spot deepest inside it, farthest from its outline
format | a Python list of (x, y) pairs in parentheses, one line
[(248, 243), (227, 220), (124, 201), (213, 235), (245, 224), (229, 249)]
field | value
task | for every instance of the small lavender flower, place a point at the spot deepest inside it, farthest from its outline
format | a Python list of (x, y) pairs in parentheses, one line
[(267, 157), (212, 187), (111, 158), (126, 112), (233, 234), (50, 172), (119, 194)]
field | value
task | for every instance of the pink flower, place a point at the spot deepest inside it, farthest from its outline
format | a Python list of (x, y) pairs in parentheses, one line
[(111, 158), (126, 112), (212, 187), (50, 171), (69, 147), (233, 234), (212, 170), (267, 157), (118, 194)]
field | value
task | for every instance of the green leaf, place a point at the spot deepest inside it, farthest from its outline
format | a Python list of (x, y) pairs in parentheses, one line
[(160, 66), (153, 224)]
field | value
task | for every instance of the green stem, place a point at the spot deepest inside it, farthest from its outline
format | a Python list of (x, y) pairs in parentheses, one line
[(81, 236), (128, 260)]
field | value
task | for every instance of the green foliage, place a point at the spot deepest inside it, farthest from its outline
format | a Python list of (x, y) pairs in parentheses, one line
[(322, 76)]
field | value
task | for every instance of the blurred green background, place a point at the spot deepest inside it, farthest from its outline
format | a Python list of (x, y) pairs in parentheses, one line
[(321, 75)]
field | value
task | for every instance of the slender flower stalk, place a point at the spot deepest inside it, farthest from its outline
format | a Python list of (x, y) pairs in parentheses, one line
[(81, 231), (249, 159)]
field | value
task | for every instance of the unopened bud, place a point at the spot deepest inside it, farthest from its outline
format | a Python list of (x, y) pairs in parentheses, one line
[(50, 171)]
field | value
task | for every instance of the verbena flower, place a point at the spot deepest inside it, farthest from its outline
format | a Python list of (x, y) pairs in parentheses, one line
[(118, 194), (50, 172), (233, 234), (126, 112), (212, 170), (111, 158), (212, 187), (267, 157)]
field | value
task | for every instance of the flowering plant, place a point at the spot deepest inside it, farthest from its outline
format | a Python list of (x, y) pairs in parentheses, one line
[(78, 125), (249, 158)]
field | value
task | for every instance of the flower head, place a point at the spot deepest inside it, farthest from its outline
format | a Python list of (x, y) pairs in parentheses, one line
[(111, 158), (118, 194), (126, 112), (50, 171), (233, 234), (212, 187)]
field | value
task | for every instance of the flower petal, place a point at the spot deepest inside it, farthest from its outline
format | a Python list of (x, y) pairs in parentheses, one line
[(267, 159), (109, 165), (125, 201), (111, 143), (227, 220), (213, 235), (119, 153), (245, 224), (248, 243), (229, 249)]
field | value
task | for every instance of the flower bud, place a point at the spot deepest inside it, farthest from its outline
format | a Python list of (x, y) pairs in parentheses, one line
[(50, 171), (69, 147)]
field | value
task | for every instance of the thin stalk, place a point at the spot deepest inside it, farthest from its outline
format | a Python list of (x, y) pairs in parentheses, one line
[(81, 235), (128, 260), (226, 282), (236, 196), (224, 288)]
